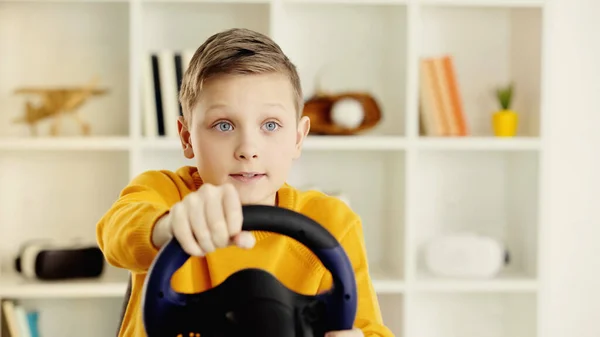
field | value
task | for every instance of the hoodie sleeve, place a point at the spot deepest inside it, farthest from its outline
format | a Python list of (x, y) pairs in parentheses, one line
[(124, 233)]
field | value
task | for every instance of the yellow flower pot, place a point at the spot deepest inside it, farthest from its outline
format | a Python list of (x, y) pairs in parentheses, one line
[(505, 123)]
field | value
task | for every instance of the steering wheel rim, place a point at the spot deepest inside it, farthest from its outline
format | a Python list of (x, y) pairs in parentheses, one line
[(340, 300)]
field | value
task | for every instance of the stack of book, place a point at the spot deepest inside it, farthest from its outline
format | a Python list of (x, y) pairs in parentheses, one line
[(162, 74), (18, 322), (440, 103)]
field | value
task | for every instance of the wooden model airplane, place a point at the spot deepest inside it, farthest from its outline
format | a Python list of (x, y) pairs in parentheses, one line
[(57, 102)]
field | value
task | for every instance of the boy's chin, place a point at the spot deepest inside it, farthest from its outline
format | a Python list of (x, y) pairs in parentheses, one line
[(256, 197)]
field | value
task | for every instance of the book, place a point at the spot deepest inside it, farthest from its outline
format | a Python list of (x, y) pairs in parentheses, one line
[(162, 75), (17, 321), (440, 103)]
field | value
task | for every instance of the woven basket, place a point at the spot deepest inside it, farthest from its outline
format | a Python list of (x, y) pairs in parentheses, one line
[(318, 109)]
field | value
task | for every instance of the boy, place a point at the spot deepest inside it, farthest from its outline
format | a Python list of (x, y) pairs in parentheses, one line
[(243, 126)]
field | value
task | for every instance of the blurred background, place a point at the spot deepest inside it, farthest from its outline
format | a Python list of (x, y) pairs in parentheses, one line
[(463, 132)]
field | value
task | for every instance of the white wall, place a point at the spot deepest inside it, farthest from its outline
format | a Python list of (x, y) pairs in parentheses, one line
[(570, 295)]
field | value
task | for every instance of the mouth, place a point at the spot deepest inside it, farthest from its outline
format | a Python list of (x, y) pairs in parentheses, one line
[(247, 176)]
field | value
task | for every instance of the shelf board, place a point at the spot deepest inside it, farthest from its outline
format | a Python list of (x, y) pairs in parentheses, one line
[(479, 3), (349, 2), (66, 143), (355, 143), (210, 1), (65, 1), (145, 1), (485, 3), (503, 283), (13, 286), (160, 143), (479, 143), (312, 143)]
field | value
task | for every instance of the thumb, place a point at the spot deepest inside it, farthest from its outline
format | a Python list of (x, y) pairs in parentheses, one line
[(244, 240)]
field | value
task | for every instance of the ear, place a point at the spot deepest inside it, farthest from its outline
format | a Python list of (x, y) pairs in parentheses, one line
[(184, 136), (301, 134)]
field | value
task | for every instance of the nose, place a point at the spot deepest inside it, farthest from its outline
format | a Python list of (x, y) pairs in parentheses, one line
[(246, 151)]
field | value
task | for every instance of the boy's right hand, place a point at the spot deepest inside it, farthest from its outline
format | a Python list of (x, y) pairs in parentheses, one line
[(204, 220)]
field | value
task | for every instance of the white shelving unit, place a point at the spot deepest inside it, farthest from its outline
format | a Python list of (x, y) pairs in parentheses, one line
[(406, 187)]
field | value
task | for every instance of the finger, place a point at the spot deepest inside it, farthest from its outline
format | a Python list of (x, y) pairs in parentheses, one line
[(235, 219), (183, 233), (195, 212), (232, 207), (215, 218)]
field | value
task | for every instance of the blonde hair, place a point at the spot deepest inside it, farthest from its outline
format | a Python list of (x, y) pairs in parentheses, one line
[(236, 51)]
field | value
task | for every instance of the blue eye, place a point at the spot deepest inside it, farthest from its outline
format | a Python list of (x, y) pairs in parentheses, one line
[(224, 126), (271, 126)]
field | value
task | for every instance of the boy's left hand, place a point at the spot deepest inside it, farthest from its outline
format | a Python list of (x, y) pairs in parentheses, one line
[(345, 333)]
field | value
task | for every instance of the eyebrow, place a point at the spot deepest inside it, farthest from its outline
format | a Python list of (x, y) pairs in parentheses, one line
[(276, 105), (222, 105), (215, 106)]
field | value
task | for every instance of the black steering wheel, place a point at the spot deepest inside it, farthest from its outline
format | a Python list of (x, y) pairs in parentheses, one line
[(252, 302)]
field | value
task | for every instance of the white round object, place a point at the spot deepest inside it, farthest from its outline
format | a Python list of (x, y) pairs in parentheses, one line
[(347, 113), (465, 255)]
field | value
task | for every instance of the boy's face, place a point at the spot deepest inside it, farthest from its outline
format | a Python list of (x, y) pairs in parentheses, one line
[(244, 131)]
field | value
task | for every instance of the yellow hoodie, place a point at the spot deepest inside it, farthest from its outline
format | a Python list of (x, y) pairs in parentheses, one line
[(124, 235)]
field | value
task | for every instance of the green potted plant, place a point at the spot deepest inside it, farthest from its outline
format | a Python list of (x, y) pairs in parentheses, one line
[(505, 120)]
